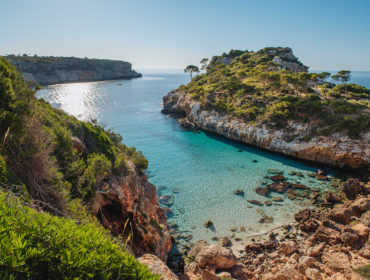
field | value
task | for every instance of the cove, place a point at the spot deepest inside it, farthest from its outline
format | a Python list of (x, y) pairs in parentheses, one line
[(196, 170)]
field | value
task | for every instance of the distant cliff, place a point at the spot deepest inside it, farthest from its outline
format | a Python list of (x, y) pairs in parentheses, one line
[(54, 70)]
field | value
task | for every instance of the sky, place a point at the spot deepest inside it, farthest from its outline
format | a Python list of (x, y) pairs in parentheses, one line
[(324, 34)]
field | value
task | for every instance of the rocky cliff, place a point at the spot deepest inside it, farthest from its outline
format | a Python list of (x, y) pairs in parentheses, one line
[(54, 70), (336, 150), (128, 206)]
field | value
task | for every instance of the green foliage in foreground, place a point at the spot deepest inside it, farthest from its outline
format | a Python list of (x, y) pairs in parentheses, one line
[(252, 87), (36, 245)]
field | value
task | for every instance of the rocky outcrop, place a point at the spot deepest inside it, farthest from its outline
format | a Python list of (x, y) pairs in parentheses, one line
[(158, 267), (336, 150), (54, 70), (128, 207), (331, 249)]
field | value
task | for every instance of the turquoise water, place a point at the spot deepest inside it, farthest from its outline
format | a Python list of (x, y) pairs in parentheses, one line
[(199, 170)]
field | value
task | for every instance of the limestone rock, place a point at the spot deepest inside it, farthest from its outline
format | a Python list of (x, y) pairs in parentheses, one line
[(288, 247), (313, 274), (212, 255), (340, 215), (116, 202), (158, 267), (288, 274), (332, 198), (352, 187)]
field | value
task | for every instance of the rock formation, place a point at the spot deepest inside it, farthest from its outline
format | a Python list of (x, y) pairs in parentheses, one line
[(324, 244), (54, 70), (336, 150), (128, 206)]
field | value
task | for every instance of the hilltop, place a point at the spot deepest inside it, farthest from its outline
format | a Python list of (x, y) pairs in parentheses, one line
[(46, 70)]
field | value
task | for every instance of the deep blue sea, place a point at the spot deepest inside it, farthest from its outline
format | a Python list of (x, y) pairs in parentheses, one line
[(200, 170)]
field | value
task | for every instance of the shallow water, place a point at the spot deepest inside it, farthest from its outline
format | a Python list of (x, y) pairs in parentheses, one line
[(200, 170)]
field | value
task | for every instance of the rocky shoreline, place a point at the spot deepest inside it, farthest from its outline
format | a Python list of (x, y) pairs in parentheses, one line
[(337, 150), (331, 242)]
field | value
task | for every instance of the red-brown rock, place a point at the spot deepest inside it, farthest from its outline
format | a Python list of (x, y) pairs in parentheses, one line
[(278, 187), (352, 187)]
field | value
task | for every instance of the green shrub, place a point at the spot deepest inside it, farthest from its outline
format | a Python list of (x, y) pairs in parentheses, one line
[(37, 245)]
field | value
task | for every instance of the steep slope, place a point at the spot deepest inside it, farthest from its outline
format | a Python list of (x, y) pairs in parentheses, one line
[(268, 99), (77, 170), (54, 70)]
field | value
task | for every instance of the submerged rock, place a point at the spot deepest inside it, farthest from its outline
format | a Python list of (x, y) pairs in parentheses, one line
[(239, 192), (275, 171), (278, 177), (256, 202), (262, 191), (208, 223), (279, 187), (277, 199), (167, 200), (224, 241)]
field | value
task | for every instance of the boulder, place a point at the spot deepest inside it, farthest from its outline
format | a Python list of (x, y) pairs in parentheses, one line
[(308, 220), (288, 247), (340, 215), (157, 266), (279, 187), (256, 202), (167, 200), (262, 191), (327, 235), (315, 250), (224, 241), (313, 274), (362, 230), (337, 261), (288, 274), (299, 186), (239, 192), (332, 198), (208, 223), (277, 177), (360, 206), (365, 219), (349, 236), (214, 256), (352, 187), (254, 247), (306, 262)]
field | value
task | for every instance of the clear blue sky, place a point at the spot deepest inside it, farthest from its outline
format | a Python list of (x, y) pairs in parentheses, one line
[(324, 34)]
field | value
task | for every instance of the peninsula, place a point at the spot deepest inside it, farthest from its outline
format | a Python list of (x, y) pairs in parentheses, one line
[(47, 70), (268, 99)]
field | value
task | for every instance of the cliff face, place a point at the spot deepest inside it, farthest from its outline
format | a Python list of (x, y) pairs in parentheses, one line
[(336, 150), (53, 70), (128, 206)]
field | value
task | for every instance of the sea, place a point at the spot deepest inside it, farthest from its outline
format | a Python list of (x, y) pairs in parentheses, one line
[(198, 170)]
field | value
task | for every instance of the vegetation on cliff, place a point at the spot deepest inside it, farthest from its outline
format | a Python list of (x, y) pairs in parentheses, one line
[(55, 163), (38, 245), (272, 87)]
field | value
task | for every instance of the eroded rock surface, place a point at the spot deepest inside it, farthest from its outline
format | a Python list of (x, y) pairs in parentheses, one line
[(128, 205), (336, 150)]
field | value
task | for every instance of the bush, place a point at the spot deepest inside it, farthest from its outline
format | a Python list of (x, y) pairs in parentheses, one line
[(37, 245)]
